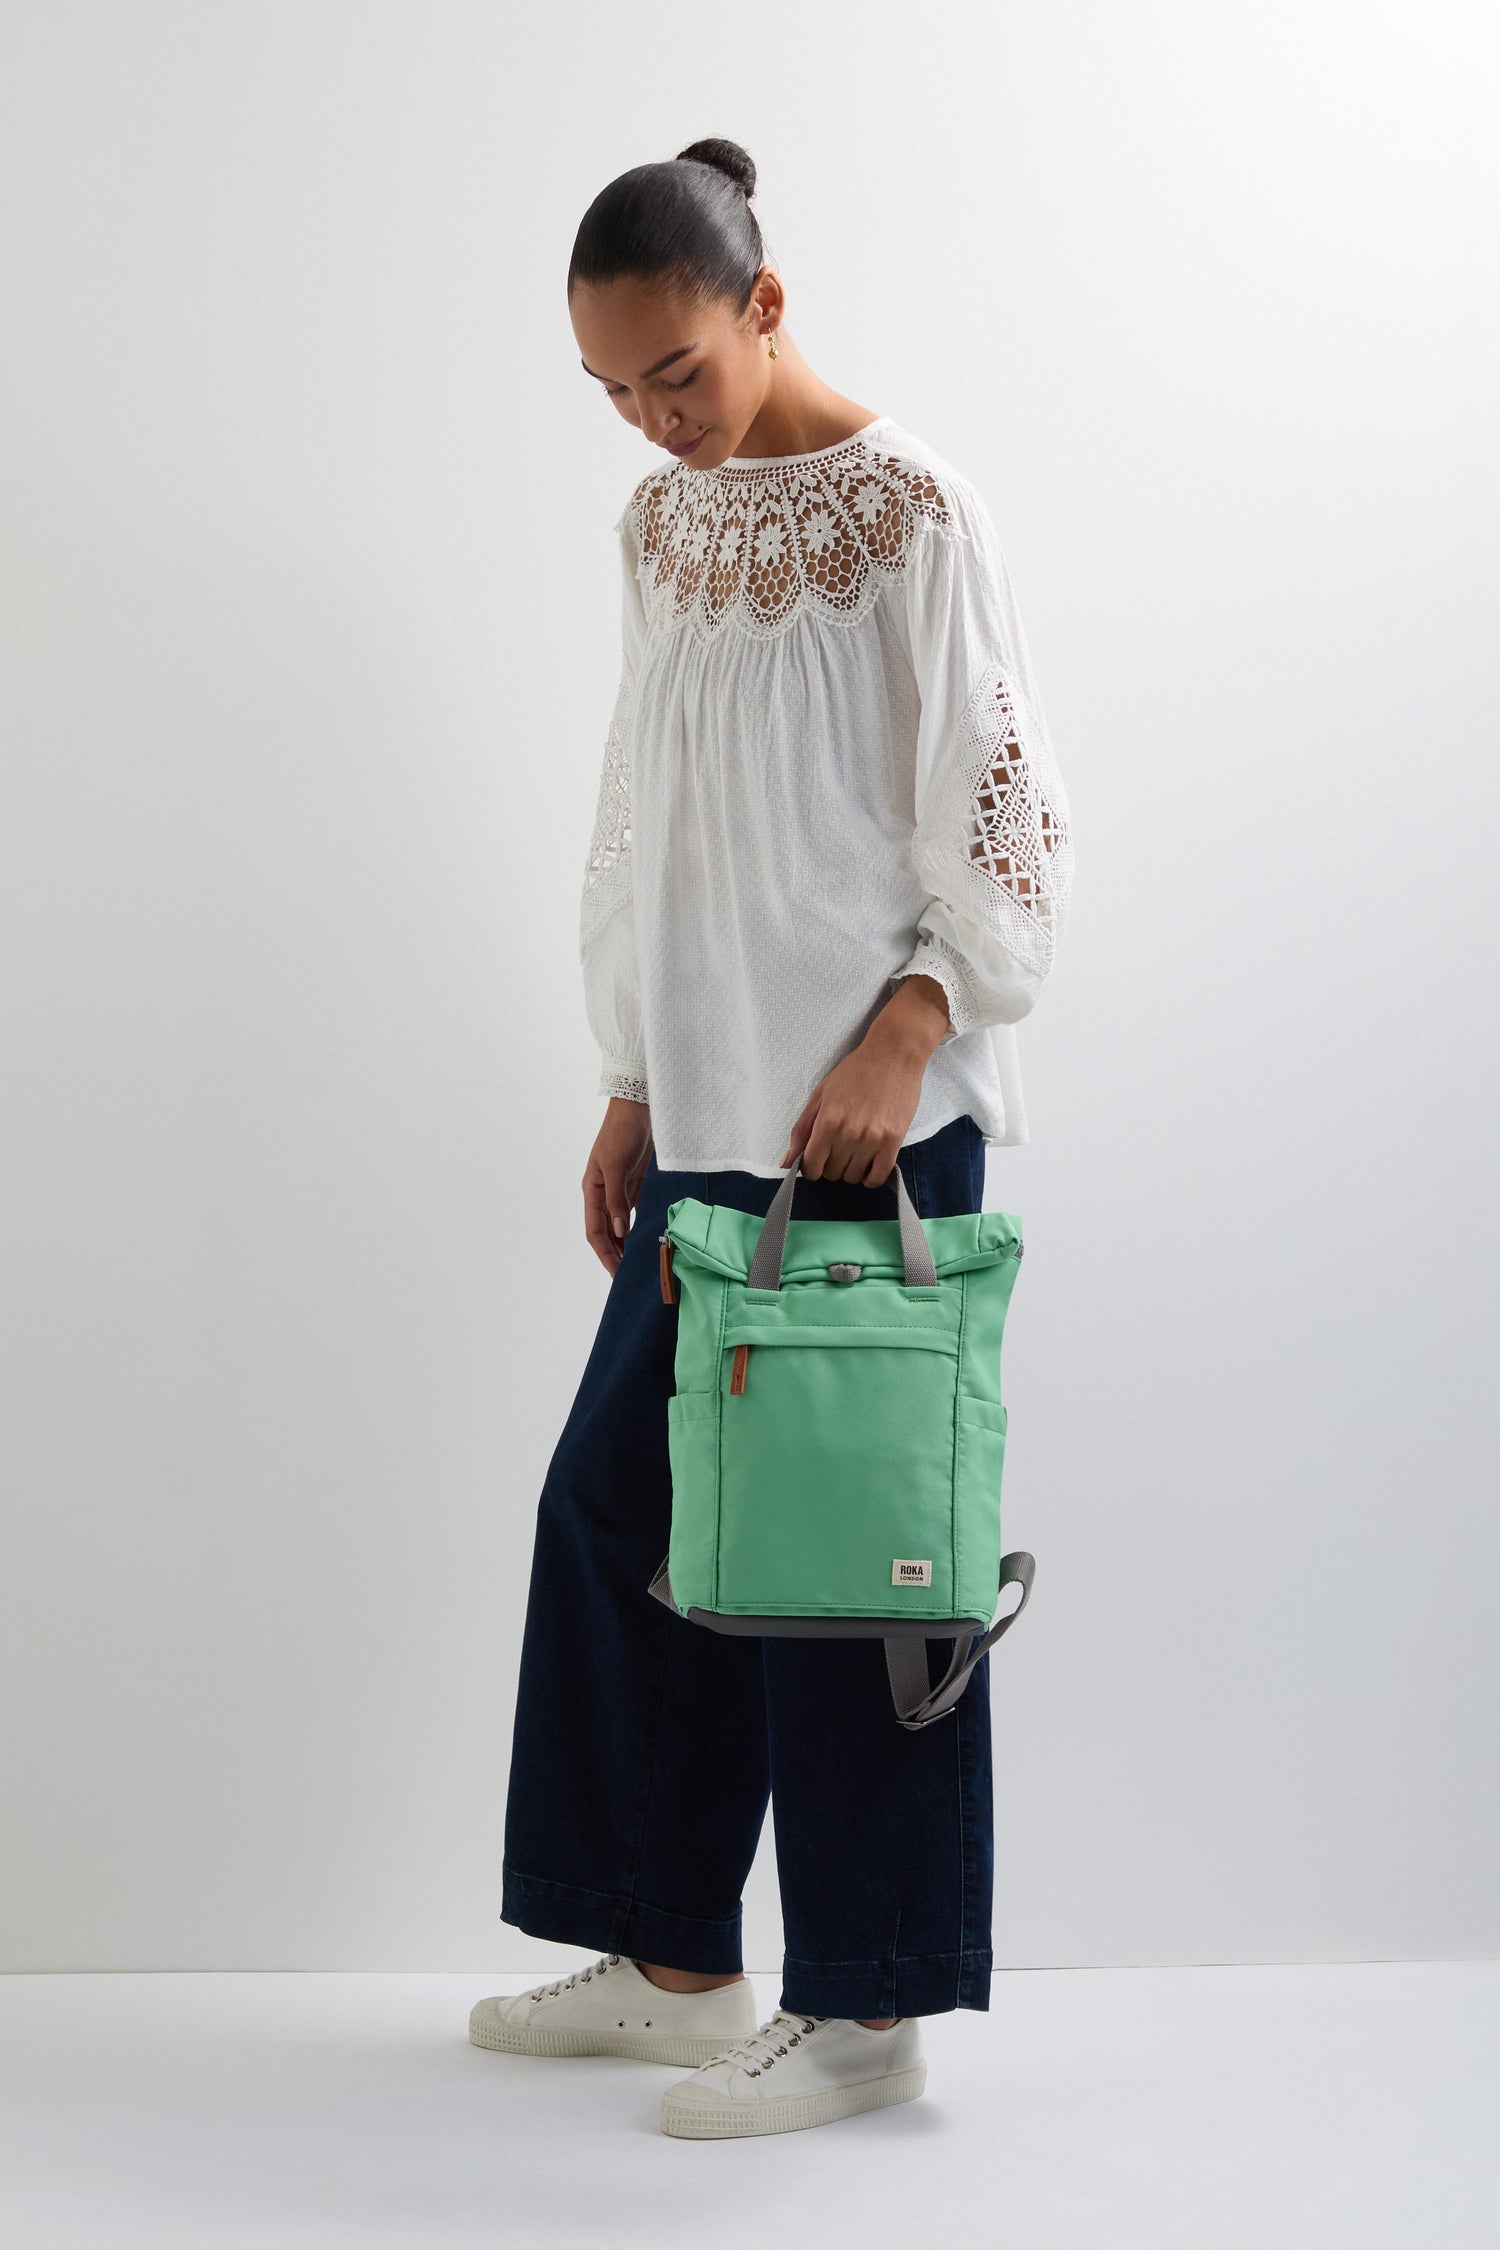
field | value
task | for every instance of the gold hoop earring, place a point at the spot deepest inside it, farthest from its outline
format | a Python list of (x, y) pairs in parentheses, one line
[(775, 354)]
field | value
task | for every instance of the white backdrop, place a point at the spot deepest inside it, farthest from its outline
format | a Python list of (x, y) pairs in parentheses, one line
[(310, 615)]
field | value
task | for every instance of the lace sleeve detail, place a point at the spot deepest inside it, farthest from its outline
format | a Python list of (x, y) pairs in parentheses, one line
[(622, 1084), (607, 870), (997, 825), (948, 967), (606, 917), (993, 833)]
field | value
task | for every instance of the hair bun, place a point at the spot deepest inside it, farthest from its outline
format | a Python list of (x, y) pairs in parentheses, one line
[(726, 157)]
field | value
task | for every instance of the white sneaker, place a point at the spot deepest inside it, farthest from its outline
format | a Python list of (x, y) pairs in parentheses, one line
[(797, 2070), (613, 2009)]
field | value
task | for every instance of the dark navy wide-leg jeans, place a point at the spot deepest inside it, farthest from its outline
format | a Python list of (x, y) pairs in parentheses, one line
[(645, 1747)]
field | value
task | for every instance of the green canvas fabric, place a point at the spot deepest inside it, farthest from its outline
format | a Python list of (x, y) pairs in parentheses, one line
[(852, 1486)]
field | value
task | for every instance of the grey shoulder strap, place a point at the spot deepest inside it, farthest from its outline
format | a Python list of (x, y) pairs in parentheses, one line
[(918, 1704)]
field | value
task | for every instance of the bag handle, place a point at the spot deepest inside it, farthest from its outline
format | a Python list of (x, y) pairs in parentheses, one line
[(917, 1704), (770, 1247)]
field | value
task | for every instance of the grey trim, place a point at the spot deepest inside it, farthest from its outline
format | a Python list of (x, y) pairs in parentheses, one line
[(770, 1243), (661, 1587), (917, 1702), (783, 1626)]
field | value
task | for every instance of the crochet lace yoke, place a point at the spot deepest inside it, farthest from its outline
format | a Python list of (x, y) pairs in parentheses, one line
[(755, 542)]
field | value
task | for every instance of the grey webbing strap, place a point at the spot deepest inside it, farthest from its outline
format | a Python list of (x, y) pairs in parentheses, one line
[(917, 1704), (770, 1246)]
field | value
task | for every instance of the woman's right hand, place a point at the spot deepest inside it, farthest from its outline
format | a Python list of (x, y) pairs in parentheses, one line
[(616, 1166)]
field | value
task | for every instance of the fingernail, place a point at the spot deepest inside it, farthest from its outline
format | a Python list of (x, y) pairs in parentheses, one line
[(619, 1224)]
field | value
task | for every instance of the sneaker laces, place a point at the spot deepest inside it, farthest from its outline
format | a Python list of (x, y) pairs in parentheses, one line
[(598, 1968), (776, 2037)]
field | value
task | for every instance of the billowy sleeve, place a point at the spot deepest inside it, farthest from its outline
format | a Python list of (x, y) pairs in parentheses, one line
[(992, 843), (606, 926)]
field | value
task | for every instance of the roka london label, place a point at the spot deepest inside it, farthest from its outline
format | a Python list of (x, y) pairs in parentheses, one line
[(910, 1573)]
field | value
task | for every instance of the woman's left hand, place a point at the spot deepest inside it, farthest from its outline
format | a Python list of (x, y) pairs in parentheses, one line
[(853, 1124)]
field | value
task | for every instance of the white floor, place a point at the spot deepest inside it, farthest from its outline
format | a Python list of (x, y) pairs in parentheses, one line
[(1300, 2108)]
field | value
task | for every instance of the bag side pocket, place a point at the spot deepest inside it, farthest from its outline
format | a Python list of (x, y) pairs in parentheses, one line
[(978, 1465), (693, 1450)]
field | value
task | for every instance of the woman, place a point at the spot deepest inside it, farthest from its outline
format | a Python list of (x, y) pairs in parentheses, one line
[(828, 873)]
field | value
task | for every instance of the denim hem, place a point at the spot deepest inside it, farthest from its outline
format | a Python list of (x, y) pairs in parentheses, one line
[(612, 1923), (905, 1984)]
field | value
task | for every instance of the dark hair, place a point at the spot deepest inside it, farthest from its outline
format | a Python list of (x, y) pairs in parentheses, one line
[(685, 225)]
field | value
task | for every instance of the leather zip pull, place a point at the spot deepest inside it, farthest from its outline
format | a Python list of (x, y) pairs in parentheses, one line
[(741, 1359), (668, 1284)]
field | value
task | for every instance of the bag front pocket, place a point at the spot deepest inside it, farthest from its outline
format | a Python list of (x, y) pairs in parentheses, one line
[(835, 1469)]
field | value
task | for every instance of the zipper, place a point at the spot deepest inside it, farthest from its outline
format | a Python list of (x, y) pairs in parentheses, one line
[(737, 1373), (668, 1283)]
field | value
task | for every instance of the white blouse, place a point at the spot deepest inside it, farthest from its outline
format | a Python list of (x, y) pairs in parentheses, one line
[(827, 768)]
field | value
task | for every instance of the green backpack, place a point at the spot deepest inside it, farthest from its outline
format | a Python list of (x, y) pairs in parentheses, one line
[(836, 1435)]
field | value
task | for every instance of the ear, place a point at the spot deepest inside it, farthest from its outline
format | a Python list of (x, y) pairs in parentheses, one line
[(768, 300)]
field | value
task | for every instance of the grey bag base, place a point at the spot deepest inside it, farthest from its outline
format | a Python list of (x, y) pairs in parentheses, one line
[(829, 1628), (917, 1702)]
